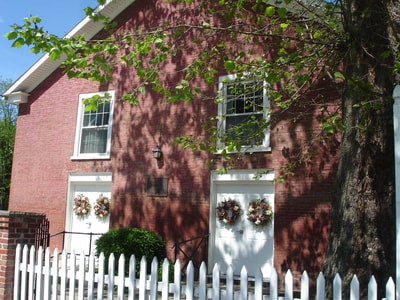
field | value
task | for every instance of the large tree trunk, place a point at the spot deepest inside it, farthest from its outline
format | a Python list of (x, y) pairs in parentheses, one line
[(362, 238)]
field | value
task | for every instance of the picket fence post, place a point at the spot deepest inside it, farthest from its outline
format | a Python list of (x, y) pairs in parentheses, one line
[(31, 270), (121, 277), (17, 274), (203, 281), (47, 275), (91, 276), (288, 285), (390, 290), (177, 280), (258, 285), (243, 284), (63, 271), (337, 287), (132, 278), (81, 276), (189, 281), (354, 288), (153, 279), (38, 275), (320, 287), (215, 283), (372, 289), (165, 280), (273, 294), (305, 284), (100, 284), (110, 276), (55, 274)]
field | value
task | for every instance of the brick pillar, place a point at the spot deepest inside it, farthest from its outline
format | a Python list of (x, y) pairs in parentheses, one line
[(15, 228)]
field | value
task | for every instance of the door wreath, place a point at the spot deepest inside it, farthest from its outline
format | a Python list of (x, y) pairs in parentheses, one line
[(260, 212), (102, 206), (81, 205), (228, 211)]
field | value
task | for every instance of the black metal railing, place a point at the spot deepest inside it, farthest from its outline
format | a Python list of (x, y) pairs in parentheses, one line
[(42, 235), (200, 241), (64, 233)]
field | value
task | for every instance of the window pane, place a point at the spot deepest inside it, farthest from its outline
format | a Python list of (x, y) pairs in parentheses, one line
[(94, 140), (106, 118), (99, 119), (94, 129), (86, 119), (243, 129), (245, 97)]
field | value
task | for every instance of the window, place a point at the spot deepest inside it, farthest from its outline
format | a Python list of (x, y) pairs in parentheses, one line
[(157, 186), (94, 123), (242, 109)]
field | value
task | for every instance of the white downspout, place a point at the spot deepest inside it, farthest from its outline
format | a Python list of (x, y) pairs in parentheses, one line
[(396, 124)]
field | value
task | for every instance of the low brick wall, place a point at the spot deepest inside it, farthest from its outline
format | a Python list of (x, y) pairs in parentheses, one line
[(15, 228)]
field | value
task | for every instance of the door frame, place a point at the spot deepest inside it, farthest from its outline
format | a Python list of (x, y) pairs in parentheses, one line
[(250, 176), (75, 179)]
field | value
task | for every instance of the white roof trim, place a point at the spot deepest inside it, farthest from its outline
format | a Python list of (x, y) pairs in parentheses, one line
[(17, 98), (45, 66)]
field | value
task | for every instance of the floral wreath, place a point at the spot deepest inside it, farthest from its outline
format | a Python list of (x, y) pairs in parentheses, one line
[(81, 205), (260, 212), (228, 211), (102, 206)]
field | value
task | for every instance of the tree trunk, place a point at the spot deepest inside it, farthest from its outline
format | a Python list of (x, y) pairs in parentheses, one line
[(362, 237)]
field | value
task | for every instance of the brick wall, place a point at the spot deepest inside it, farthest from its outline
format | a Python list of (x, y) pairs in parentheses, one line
[(15, 228), (45, 139)]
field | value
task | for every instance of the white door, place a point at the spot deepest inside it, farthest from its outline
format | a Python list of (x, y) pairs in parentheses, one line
[(82, 232), (242, 243)]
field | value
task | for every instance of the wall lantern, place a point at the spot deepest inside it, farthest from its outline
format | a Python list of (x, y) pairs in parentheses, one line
[(157, 152)]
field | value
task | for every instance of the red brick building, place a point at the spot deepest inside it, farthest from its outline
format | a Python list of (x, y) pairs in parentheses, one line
[(61, 152)]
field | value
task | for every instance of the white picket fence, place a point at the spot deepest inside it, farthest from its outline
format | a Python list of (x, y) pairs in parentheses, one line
[(39, 276)]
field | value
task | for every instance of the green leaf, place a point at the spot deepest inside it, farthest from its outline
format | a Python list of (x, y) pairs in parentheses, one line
[(54, 54), (339, 75), (229, 65), (35, 50), (282, 12), (142, 90), (317, 34), (328, 128), (18, 43), (158, 41), (284, 25), (270, 11), (12, 35)]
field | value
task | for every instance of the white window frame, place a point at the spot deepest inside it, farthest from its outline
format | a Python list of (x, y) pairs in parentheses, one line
[(222, 107), (79, 123)]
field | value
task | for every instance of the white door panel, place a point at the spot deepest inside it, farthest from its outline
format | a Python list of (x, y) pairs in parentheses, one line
[(84, 231), (243, 243)]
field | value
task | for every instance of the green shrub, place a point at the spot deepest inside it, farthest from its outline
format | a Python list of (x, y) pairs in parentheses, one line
[(128, 241)]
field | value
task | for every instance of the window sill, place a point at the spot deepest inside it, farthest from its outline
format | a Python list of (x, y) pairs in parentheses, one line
[(249, 150), (91, 157)]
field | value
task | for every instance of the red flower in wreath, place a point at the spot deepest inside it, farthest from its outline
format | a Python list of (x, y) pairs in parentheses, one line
[(102, 206), (260, 212), (228, 211)]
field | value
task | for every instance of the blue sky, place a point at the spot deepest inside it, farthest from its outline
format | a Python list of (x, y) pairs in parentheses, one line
[(58, 17)]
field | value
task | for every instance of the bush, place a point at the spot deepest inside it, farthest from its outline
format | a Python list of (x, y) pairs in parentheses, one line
[(132, 241)]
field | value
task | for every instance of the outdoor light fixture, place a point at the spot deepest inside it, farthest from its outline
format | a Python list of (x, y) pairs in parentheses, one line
[(157, 152)]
